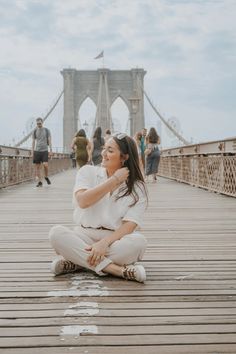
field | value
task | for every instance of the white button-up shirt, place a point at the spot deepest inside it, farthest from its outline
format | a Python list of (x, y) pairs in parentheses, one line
[(107, 212)]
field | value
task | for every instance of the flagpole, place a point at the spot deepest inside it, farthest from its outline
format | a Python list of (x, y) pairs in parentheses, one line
[(99, 56)]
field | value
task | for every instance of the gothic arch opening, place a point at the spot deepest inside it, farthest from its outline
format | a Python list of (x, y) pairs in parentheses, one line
[(86, 116), (102, 86), (120, 116)]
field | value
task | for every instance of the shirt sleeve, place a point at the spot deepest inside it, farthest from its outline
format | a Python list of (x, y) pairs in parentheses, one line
[(49, 133), (84, 178), (135, 213)]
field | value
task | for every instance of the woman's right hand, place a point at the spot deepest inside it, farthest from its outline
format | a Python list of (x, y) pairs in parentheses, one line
[(122, 174), (97, 252)]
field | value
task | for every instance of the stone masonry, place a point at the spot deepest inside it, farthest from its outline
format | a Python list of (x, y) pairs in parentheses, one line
[(103, 86)]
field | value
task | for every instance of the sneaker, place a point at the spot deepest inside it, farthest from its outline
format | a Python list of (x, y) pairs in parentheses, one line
[(62, 266), (40, 184), (47, 180), (134, 272)]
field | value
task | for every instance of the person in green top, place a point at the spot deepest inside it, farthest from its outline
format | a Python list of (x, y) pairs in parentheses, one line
[(82, 148)]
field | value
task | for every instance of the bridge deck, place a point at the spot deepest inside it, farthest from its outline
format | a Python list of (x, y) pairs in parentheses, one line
[(187, 305)]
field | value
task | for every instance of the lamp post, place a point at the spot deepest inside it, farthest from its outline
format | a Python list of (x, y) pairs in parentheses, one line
[(85, 125)]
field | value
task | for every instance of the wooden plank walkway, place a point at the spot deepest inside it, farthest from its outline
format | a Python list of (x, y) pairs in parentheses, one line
[(188, 304)]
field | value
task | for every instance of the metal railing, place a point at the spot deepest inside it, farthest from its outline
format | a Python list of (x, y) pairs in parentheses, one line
[(16, 165), (210, 165)]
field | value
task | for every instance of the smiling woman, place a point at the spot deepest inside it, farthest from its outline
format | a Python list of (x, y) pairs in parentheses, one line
[(110, 201)]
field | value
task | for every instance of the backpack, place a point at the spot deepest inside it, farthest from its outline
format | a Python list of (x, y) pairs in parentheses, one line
[(47, 134)]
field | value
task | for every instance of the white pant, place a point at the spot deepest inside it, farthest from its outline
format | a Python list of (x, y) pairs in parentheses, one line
[(71, 245)]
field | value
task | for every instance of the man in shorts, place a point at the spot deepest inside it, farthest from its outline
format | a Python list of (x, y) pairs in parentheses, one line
[(41, 140)]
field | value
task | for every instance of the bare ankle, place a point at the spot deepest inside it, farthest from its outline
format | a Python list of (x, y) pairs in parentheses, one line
[(114, 269)]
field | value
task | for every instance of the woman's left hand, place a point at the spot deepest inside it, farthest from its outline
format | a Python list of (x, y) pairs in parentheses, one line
[(97, 252)]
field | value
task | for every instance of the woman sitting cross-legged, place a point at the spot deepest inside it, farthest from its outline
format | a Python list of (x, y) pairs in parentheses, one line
[(110, 201)]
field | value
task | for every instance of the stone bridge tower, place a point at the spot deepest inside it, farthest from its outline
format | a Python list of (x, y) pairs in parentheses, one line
[(103, 86)]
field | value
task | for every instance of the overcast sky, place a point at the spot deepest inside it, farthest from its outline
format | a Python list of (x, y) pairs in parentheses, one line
[(187, 47)]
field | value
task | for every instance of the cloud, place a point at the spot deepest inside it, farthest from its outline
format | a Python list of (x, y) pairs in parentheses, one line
[(187, 48)]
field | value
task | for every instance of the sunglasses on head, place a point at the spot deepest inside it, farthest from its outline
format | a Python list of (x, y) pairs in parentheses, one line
[(120, 136)]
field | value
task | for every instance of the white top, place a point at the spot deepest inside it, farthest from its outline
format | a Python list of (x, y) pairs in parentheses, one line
[(107, 212)]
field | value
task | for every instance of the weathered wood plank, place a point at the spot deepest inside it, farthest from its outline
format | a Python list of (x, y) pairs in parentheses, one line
[(117, 313), (143, 340), (174, 284), (138, 293), (162, 349), (24, 306), (118, 321), (122, 330), (188, 304)]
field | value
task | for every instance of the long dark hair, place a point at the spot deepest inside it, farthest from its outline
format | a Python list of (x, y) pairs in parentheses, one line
[(128, 146), (98, 134), (152, 136), (81, 132)]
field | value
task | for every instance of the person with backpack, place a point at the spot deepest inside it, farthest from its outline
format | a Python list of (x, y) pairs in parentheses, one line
[(41, 140)]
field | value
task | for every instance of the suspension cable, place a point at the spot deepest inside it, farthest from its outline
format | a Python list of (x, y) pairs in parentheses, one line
[(180, 137), (44, 118)]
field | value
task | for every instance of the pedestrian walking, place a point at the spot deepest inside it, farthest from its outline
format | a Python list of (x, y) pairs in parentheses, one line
[(138, 139), (153, 154), (41, 141), (82, 147), (73, 160), (97, 145), (143, 146)]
